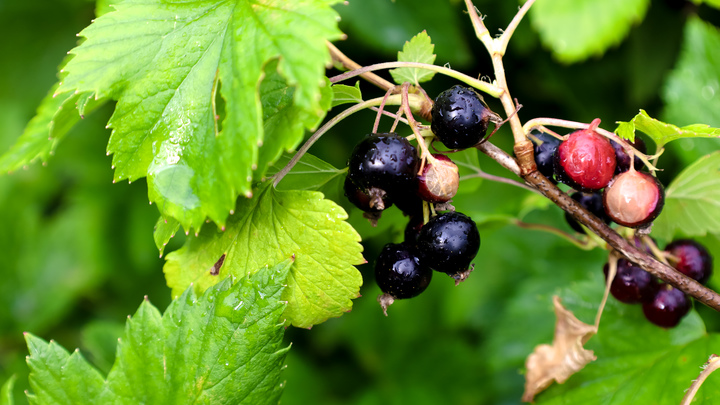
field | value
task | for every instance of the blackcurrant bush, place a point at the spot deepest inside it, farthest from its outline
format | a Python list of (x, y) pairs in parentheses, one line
[(632, 284), (585, 161), (439, 180), (384, 161), (545, 147), (623, 159), (592, 202), (460, 117), (400, 273), (667, 307), (691, 259), (634, 199), (449, 242), (362, 199)]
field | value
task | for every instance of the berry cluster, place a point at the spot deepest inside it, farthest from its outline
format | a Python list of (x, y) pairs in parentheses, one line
[(662, 304), (385, 170), (600, 170)]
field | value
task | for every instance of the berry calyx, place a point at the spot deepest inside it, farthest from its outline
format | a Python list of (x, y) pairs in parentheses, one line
[(371, 200), (592, 202), (623, 159), (384, 161), (400, 274), (439, 180), (586, 160), (632, 284), (545, 147), (460, 117), (667, 307), (691, 259), (449, 243), (634, 199)]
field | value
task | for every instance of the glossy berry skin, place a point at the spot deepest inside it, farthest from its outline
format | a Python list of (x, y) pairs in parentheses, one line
[(449, 242), (632, 284), (400, 273), (408, 201), (667, 308), (363, 199), (634, 199), (439, 181), (592, 202), (384, 161), (693, 259), (459, 117), (623, 159), (585, 161), (545, 148)]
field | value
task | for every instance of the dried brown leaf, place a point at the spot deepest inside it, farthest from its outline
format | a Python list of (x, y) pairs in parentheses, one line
[(564, 358)]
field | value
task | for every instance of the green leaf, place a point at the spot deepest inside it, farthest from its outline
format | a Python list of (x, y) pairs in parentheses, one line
[(309, 173), (225, 347), (164, 230), (418, 49), (165, 62), (692, 91), (343, 94), (577, 29), (661, 132), (271, 226), (6, 392), (711, 3), (635, 359), (99, 339), (692, 201)]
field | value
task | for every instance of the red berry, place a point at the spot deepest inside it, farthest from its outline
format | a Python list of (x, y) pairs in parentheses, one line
[(693, 259), (439, 180), (585, 161), (634, 199), (667, 308)]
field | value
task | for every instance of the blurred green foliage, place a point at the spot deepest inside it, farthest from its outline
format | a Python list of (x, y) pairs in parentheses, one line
[(78, 251)]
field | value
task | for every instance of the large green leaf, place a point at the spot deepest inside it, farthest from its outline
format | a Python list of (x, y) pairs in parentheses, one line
[(661, 132), (692, 201), (165, 62), (692, 91), (6, 392), (224, 347), (577, 29), (272, 226)]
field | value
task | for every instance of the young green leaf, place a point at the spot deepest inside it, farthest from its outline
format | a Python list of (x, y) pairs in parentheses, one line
[(6, 392), (661, 132), (577, 29), (343, 94), (418, 49), (224, 347), (691, 90), (165, 62), (272, 225), (692, 201), (164, 230)]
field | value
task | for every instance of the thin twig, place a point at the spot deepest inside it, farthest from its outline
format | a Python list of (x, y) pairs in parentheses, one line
[(352, 65), (481, 30), (499, 156), (502, 42), (712, 364), (484, 175), (397, 117), (380, 111), (584, 245)]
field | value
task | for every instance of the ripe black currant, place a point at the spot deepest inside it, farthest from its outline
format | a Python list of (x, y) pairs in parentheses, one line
[(412, 229), (545, 147), (667, 307), (460, 117), (691, 259), (623, 159), (364, 200), (449, 242), (384, 161), (634, 199), (585, 161), (632, 284), (439, 181), (592, 202), (399, 272)]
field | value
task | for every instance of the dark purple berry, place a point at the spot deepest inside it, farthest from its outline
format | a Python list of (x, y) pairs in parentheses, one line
[(439, 180), (634, 199), (623, 159), (408, 201), (545, 147), (585, 161), (460, 117), (691, 259), (592, 202), (449, 242), (632, 284), (667, 308), (372, 200), (399, 273), (384, 161)]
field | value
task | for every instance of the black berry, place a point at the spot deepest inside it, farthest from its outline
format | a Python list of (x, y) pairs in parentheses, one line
[(545, 147), (384, 161), (371, 200), (399, 273), (460, 117), (449, 242), (667, 308), (412, 229), (585, 161), (592, 202), (691, 259), (439, 181), (634, 199), (632, 284), (623, 159)]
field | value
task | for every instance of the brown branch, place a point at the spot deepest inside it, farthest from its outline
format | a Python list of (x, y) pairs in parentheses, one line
[(350, 64)]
